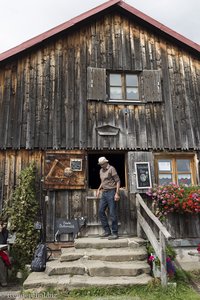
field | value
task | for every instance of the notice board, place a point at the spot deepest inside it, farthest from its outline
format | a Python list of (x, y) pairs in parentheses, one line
[(143, 175)]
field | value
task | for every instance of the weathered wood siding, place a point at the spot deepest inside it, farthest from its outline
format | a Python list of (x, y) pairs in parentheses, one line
[(43, 92), (183, 226), (11, 164), (65, 205)]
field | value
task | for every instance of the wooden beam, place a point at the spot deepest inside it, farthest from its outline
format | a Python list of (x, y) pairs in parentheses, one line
[(52, 168), (150, 235), (163, 264)]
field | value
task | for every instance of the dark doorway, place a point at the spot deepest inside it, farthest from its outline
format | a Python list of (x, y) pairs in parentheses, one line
[(115, 159)]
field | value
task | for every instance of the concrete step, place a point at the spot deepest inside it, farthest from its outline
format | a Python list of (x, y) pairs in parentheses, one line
[(40, 280), (97, 268), (99, 243), (105, 254)]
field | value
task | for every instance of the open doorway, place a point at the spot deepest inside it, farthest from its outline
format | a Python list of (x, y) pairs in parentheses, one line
[(117, 160)]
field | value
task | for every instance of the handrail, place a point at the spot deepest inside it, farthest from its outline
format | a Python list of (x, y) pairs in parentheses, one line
[(154, 218), (164, 235)]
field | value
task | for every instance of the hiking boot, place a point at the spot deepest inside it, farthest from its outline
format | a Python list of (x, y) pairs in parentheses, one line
[(105, 234), (113, 237)]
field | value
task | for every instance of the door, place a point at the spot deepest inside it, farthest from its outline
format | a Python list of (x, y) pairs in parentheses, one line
[(126, 211)]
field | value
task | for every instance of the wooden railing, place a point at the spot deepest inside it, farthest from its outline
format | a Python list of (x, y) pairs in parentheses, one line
[(159, 244)]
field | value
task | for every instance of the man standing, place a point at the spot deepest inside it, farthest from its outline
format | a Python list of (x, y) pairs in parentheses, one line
[(110, 184)]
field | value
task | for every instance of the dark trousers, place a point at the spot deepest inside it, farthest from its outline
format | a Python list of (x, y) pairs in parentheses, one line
[(107, 201)]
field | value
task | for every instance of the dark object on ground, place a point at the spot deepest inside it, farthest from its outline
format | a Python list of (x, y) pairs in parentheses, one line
[(38, 263)]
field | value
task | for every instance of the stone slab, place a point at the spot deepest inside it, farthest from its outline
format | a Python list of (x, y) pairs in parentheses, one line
[(57, 268), (106, 269), (39, 281), (99, 243), (97, 268), (108, 254), (87, 281), (186, 261)]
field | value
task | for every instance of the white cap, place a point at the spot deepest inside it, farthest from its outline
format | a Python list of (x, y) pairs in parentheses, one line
[(102, 160)]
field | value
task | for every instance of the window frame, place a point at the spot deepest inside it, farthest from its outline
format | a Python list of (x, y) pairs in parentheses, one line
[(124, 87), (174, 171)]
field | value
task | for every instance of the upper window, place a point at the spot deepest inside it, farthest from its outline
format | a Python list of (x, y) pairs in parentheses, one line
[(178, 169), (117, 86), (123, 86)]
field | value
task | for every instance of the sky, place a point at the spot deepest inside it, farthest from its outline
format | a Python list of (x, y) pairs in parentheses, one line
[(21, 20)]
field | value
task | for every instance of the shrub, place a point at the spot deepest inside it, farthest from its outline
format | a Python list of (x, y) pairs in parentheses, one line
[(22, 213)]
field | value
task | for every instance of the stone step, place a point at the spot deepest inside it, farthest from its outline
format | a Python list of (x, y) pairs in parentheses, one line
[(105, 254), (94, 261), (40, 280), (99, 243), (97, 268)]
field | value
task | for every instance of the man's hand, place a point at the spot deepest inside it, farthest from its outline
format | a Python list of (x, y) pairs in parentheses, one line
[(98, 193), (117, 197)]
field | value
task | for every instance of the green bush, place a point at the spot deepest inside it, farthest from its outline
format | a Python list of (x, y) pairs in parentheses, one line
[(22, 213)]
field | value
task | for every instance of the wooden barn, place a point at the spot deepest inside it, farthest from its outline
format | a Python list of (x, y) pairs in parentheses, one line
[(111, 82)]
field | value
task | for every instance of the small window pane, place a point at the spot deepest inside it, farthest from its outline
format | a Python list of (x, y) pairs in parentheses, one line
[(165, 179), (132, 93), (115, 79), (115, 93), (183, 165), (165, 165), (131, 80), (184, 179)]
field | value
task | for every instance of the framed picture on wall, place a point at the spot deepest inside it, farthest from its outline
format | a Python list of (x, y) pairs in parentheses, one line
[(143, 175), (76, 164)]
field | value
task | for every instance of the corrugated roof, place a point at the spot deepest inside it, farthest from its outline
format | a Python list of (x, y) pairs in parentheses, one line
[(69, 24)]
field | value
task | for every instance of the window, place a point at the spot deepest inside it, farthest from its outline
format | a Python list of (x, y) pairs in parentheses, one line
[(144, 86), (178, 169), (123, 86)]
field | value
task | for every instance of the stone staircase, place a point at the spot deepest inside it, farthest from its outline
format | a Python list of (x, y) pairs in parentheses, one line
[(95, 262)]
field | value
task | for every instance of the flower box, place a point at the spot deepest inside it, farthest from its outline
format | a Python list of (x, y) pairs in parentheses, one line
[(173, 198)]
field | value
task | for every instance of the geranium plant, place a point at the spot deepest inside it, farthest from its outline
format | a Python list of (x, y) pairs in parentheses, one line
[(154, 261), (174, 198)]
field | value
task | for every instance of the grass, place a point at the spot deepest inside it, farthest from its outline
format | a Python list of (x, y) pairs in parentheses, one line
[(182, 290), (153, 291)]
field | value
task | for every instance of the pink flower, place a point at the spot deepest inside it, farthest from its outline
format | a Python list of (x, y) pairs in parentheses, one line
[(151, 258)]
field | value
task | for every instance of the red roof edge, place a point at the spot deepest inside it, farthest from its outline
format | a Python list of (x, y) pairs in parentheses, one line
[(160, 26), (41, 37)]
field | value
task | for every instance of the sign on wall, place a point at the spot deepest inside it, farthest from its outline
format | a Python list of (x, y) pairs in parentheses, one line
[(65, 170), (143, 175)]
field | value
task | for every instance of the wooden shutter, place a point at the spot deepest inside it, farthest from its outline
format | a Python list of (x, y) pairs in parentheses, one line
[(152, 86), (96, 83), (65, 170), (139, 157)]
